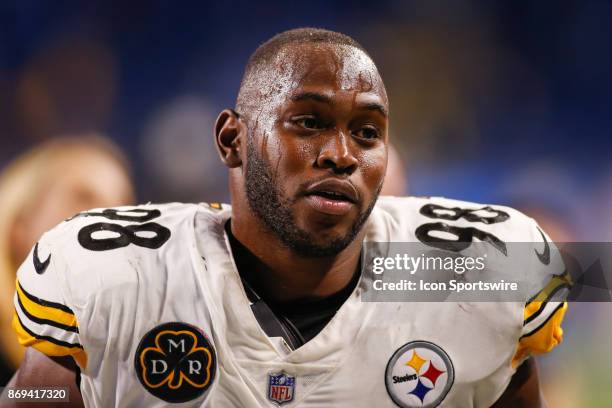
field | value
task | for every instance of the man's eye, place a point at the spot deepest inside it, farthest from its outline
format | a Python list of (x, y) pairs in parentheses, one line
[(309, 123), (368, 132)]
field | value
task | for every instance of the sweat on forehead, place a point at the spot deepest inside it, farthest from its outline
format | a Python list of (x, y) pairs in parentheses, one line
[(288, 60)]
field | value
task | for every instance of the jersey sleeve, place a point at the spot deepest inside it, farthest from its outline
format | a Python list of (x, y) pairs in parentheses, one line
[(43, 318), (544, 311)]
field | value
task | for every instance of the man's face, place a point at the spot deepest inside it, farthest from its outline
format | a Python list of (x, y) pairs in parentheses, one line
[(317, 148)]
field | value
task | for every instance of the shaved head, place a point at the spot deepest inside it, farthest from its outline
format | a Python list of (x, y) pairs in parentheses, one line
[(270, 70)]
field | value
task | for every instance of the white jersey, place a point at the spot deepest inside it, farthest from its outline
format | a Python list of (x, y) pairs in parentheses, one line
[(149, 303)]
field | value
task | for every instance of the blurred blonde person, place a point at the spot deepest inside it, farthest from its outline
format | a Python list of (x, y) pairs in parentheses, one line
[(45, 185)]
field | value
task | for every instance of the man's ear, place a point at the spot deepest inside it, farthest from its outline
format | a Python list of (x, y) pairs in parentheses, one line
[(230, 133)]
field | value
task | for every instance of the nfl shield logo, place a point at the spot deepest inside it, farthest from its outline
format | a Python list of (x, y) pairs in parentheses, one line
[(281, 388)]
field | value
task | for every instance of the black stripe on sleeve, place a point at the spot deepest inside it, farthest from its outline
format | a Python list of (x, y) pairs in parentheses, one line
[(544, 322), (545, 302), (48, 338), (45, 303), (46, 321)]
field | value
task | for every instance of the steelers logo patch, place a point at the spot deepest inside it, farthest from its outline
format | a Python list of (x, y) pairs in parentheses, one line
[(175, 362), (419, 374)]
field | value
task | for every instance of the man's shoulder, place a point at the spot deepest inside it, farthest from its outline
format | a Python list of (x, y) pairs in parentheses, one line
[(102, 229), (100, 246), (129, 231), (430, 213), (513, 244)]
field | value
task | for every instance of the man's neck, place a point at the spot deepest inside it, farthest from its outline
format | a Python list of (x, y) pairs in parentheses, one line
[(279, 274)]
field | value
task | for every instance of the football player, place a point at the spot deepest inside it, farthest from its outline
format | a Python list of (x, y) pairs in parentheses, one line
[(260, 304)]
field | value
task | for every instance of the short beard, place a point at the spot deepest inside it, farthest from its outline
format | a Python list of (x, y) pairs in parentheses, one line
[(268, 203)]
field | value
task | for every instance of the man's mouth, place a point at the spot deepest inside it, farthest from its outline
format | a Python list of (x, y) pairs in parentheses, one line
[(332, 196)]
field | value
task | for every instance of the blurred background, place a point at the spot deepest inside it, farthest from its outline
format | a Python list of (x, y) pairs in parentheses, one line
[(498, 102)]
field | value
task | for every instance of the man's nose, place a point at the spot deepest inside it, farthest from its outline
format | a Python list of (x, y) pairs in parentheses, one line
[(336, 154)]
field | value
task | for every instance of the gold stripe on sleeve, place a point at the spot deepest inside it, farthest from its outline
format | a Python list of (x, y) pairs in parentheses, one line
[(46, 310), (543, 338), (48, 345)]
